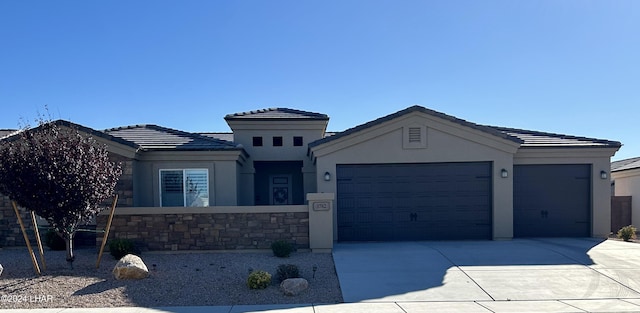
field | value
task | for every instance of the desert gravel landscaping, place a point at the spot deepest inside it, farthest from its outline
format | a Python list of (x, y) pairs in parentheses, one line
[(197, 279)]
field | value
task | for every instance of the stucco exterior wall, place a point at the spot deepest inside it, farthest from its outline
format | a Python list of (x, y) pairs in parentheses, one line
[(245, 130), (223, 174), (384, 144), (600, 160), (627, 183)]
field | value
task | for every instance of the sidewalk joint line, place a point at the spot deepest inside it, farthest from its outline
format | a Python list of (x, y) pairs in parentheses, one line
[(573, 306), (465, 273), (590, 268), (401, 308)]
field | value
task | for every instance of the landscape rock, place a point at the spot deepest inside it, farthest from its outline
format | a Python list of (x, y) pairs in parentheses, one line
[(1, 269), (130, 267), (294, 286)]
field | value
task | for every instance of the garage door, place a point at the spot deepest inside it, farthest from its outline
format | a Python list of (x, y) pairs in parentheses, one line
[(426, 201), (552, 200)]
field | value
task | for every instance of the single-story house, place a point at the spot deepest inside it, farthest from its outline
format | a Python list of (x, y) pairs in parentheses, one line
[(416, 174), (625, 175)]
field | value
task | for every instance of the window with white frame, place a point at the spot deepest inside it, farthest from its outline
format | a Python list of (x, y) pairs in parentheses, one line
[(182, 187)]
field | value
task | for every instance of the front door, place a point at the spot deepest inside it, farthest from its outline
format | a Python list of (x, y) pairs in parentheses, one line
[(280, 189)]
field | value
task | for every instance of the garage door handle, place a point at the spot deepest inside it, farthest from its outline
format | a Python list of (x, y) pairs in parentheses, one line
[(413, 217), (544, 214)]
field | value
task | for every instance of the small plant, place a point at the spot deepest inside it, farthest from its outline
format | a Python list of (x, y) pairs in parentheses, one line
[(286, 271), (53, 241), (627, 233), (259, 280), (281, 248), (121, 247)]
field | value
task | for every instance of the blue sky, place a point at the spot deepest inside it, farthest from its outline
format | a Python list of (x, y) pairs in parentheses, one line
[(569, 67)]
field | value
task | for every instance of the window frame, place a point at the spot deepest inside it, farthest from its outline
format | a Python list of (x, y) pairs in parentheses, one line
[(298, 139), (257, 141), (184, 187)]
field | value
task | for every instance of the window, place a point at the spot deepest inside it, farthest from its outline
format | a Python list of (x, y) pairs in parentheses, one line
[(297, 141), (257, 141), (188, 188), (277, 141)]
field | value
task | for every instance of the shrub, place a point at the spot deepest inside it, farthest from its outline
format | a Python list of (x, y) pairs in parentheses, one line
[(286, 271), (121, 247), (627, 233), (53, 241), (281, 248), (259, 280)]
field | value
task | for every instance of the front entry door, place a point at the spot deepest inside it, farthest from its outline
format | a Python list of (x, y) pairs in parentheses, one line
[(280, 189)]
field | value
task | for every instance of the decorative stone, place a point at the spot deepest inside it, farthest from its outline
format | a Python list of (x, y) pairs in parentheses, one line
[(294, 286), (1, 269), (130, 267)]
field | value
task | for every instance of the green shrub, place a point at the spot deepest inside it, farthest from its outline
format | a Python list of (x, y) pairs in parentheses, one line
[(286, 271), (259, 280), (53, 241), (281, 248), (627, 233), (121, 247)]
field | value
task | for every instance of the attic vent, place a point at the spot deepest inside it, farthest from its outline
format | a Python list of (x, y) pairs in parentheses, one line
[(415, 134)]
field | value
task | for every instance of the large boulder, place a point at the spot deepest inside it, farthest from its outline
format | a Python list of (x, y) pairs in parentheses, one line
[(294, 286), (130, 267)]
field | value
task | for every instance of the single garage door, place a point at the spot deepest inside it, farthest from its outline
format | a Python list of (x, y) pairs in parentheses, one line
[(425, 201), (552, 200)]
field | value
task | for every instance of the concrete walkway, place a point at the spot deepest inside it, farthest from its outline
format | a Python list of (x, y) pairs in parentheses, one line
[(546, 275), (533, 270), (563, 306)]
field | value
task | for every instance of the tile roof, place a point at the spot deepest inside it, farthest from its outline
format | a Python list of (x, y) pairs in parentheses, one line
[(276, 114), (7, 132), (526, 138), (153, 137), (90, 131), (627, 164), (536, 139), (221, 136), (416, 108)]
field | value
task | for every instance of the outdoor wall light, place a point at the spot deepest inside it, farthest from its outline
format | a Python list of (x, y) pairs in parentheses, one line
[(504, 173), (603, 175), (327, 176)]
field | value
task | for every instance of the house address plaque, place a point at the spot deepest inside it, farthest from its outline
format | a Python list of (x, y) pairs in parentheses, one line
[(321, 206)]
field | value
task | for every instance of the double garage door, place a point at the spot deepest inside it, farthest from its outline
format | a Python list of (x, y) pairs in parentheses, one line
[(425, 201), (432, 201)]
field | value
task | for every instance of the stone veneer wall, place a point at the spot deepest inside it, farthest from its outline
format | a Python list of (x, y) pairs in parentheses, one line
[(124, 188), (10, 234), (210, 231)]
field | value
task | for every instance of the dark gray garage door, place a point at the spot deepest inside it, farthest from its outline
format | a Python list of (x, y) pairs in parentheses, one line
[(425, 201), (552, 200)]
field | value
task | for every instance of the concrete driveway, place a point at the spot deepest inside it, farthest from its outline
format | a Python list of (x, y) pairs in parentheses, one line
[(558, 274)]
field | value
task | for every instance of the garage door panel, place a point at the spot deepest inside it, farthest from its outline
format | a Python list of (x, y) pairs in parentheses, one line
[(552, 200), (427, 201)]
